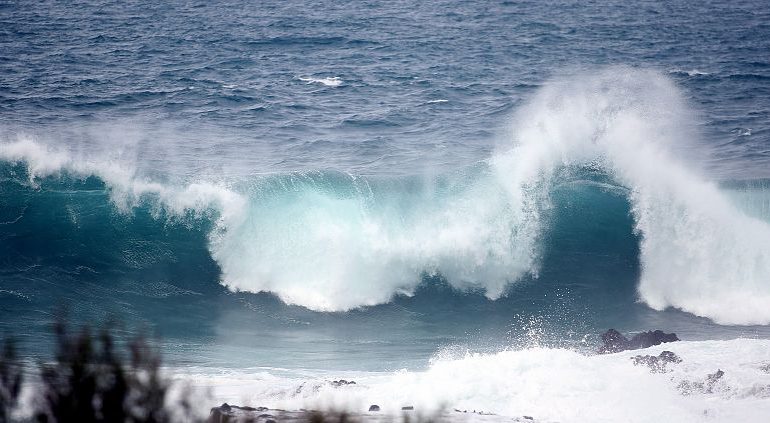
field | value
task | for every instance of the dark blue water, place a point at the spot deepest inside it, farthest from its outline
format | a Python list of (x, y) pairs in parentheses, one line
[(195, 166)]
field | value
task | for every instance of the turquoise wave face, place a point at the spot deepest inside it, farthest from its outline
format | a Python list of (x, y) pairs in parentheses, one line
[(65, 241)]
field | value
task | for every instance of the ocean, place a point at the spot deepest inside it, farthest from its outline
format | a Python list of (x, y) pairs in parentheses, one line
[(447, 202)]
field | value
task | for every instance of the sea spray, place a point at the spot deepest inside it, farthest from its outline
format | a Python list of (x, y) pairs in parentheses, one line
[(698, 251)]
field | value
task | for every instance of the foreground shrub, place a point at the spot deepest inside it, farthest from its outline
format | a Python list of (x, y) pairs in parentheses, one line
[(10, 380), (89, 381)]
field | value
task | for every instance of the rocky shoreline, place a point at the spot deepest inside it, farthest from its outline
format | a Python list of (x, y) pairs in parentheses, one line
[(613, 342), (226, 413)]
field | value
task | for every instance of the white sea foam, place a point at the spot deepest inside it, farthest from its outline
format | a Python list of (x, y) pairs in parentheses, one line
[(548, 384), (333, 81), (332, 248)]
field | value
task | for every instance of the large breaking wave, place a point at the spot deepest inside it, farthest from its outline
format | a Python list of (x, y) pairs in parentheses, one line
[(333, 241)]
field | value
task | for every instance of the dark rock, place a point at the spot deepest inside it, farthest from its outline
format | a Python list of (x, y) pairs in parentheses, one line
[(232, 413), (614, 341), (528, 418), (669, 357), (687, 387), (648, 339), (218, 415), (407, 408), (342, 382), (712, 379), (657, 364), (374, 407)]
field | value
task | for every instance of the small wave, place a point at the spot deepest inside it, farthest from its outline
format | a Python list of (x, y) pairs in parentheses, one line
[(437, 101), (742, 132), (333, 81)]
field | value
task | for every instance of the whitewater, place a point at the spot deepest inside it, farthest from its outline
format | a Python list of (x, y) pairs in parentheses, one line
[(550, 384)]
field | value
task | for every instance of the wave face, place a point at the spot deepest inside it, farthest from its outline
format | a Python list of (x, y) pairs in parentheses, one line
[(332, 241)]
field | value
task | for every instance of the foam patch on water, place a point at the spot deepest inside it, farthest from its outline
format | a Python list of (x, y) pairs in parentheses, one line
[(332, 81)]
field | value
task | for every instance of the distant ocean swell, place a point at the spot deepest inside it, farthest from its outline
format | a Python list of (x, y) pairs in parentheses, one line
[(333, 241)]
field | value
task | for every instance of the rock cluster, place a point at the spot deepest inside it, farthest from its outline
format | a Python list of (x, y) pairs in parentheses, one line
[(687, 387), (614, 341), (657, 364), (341, 382)]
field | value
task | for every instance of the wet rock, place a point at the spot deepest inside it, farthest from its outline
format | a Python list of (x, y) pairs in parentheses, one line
[(712, 379), (341, 382), (657, 364), (687, 387), (226, 413), (219, 414), (374, 407), (613, 341), (648, 339)]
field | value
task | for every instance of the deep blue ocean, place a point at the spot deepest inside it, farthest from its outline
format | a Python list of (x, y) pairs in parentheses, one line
[(361, 186)]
